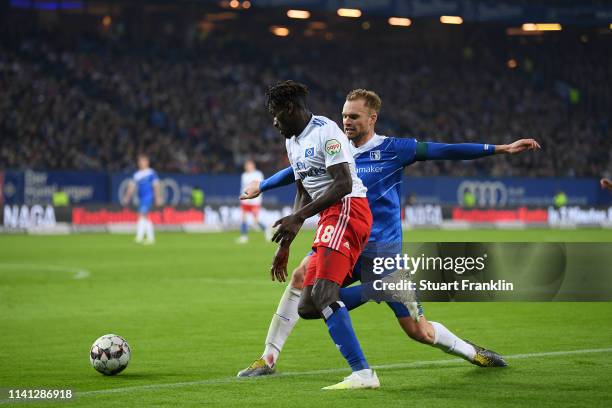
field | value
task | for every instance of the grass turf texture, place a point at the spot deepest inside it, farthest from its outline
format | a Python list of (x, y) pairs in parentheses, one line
[(195, 310)]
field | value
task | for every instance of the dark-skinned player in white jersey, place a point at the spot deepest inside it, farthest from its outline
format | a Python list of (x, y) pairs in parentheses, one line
[(327, 184), (360, 113)]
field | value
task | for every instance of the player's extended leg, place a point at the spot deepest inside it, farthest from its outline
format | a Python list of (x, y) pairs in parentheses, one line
[(324, 298), (282, 324), (410, 317), (432, 333), (437, 335)]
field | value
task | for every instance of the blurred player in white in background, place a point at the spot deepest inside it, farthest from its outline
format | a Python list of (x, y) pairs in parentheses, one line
[(251, 206), (145, 180)]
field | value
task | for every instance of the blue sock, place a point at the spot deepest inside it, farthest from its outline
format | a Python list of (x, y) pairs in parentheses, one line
[(351, 297), (244, 228), (399, 309), (341, 330)]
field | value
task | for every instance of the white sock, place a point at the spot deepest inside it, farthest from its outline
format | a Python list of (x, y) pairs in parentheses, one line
[(282, 324), (140, 228), (446, 341), (149, 230)]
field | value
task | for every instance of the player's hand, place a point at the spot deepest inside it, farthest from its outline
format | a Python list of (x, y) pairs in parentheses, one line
[(520, 146), (251, 190), (288, 227), (606, 183), (278, 271)]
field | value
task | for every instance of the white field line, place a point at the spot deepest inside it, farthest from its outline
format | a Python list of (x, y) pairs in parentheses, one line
[(78, 273), (413, 364), (82, 273)]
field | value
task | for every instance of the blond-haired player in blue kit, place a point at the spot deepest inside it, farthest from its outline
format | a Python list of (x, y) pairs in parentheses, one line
[(380, 161)]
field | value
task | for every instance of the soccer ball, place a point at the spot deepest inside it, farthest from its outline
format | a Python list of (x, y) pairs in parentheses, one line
[(110, 354)]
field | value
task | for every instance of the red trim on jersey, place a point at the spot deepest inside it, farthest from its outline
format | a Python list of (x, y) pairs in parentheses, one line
[(344, 229), (343, 221)]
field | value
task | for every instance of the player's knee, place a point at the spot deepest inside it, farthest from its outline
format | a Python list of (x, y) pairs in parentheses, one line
[(297, 277), (306, 308), (324, 293), (308, 311)]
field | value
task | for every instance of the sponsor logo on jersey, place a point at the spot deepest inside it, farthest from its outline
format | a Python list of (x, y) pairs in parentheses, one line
[(375, 155), (312, 172), (332, 147), (370, 169), (309, 152)]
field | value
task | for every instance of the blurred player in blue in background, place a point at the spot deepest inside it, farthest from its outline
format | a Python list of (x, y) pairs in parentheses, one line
[(145, 180)]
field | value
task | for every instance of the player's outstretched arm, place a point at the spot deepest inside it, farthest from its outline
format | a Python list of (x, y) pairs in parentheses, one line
[(520, 146), (606, 184), (470, 151), (278, 179)]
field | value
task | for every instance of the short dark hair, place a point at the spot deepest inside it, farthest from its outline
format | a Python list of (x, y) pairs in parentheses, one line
[(286, 91)]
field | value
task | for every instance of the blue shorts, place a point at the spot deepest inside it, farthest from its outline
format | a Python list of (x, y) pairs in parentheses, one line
[(145, 207)]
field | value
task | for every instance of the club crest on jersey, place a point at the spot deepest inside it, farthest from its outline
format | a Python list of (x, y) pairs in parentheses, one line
[(332, 147), (375, 155), (309, 152)]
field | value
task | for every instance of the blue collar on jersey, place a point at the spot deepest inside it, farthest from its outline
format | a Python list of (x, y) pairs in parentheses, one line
[(375, 141)]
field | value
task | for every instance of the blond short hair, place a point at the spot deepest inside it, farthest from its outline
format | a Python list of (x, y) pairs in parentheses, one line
[(371, 99)]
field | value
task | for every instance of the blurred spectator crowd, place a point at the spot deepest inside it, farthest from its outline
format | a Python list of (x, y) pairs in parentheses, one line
[(96, 103)]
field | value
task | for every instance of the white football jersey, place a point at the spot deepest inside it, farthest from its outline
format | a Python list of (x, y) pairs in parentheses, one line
[(246, 178), (320, 145)]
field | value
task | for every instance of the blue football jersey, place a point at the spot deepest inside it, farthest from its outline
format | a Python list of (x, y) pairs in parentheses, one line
[(380, 163), (145, 179)]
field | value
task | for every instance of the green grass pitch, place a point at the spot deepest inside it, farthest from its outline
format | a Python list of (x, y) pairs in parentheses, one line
[(195, 310)]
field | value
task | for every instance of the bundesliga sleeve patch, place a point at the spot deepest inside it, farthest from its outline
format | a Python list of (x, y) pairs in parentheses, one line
[(332, 147)]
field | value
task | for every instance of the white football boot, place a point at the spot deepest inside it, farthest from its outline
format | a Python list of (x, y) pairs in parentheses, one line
[(366, 378)]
